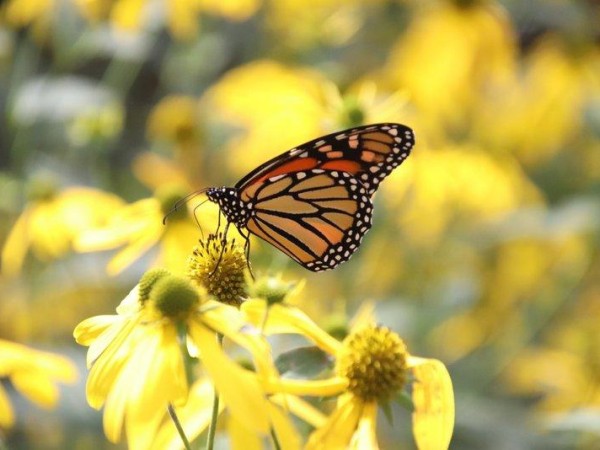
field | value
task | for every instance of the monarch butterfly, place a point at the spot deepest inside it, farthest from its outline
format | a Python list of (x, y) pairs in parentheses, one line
[(313, 202)]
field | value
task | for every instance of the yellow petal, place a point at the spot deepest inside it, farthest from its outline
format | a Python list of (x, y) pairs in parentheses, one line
[(159, 374), (239, 388), (108, 364), (300, 408), (433, 418), (16, 246), (87, 332), (7, 417), (286, 433), (194, 417), (37, 387), (241, 437), (288, 319), (228, 321), (318, 388), (134, 250), (339, 428), (365, 437)]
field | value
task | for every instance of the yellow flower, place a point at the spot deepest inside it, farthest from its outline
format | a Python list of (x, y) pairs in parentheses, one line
[(33, 373), (195, 417), (137, 364), (372, 366), (139, 226), (448, 55), (52, 220)]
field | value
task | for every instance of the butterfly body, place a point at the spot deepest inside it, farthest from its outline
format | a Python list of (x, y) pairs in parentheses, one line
[(314, 202)]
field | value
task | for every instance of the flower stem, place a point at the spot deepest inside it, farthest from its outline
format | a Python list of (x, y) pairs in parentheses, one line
[(177, 423), (212, 428), (276, 444)]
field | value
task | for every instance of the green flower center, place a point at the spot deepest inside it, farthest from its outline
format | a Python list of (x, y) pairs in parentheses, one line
[(219, 266), (148, 281), (271, 289), (374, 361), (175, 297)]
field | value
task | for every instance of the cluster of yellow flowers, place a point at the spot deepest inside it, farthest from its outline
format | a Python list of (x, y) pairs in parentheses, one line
[(483, 249), (163, 355)]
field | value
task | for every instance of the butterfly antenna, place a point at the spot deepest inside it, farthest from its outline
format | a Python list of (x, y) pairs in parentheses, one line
[(183, 201), (196, 217)]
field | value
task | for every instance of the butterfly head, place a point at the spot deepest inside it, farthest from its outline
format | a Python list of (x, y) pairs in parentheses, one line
[(230, 204)]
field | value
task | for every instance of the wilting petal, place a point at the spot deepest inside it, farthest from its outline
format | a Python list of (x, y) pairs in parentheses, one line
[(433, 418)]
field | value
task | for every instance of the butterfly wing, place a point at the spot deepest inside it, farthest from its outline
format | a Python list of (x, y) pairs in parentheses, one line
[(316, 217), (369, 153)]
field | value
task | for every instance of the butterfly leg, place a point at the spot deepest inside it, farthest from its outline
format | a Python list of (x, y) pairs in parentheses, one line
[(247, 250), (223, 244)]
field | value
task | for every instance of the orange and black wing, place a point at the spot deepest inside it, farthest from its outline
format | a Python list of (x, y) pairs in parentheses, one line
[(369, 153), (317, 217)]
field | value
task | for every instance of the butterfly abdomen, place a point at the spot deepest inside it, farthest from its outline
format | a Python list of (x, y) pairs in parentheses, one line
[(230, 204)]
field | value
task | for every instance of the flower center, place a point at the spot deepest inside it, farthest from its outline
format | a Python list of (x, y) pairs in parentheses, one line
[(219, 266), (175, 297), (373, 359)]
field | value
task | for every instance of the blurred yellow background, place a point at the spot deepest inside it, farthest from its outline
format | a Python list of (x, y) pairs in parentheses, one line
[(484, 248)]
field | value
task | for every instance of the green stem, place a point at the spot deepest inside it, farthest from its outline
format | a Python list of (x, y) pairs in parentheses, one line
[(177, 423), (276, 444), (212, 428)]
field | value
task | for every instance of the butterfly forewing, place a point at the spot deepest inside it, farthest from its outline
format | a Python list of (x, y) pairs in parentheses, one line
[(369, 153), (316, 217)]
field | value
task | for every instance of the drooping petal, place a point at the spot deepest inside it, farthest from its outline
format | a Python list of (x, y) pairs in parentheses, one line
[(300, 408), (241, 437), (337, 432), (365, 437), (194, 417), (125, 257), (228, 321), (433, 398), (286, 433), (317, 388), (160, 380), (288, 319), (109, 362), (239, 388)]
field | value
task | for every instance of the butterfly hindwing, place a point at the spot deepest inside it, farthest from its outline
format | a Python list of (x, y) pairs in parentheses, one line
[(369, 153), (316, 217)]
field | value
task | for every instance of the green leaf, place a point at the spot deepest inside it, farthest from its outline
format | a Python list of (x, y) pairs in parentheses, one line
[(303, 362), (404, 400), (387, 410)]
